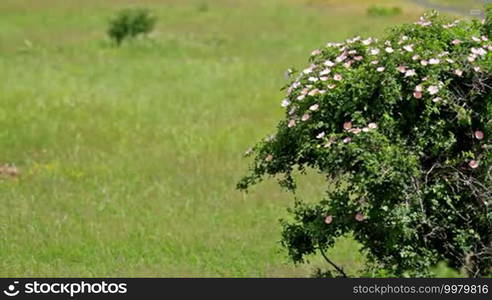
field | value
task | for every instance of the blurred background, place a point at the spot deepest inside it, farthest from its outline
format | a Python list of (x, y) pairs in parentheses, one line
[(122, 161)]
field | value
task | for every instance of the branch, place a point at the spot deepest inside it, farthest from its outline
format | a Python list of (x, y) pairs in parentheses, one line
[(339, 270)]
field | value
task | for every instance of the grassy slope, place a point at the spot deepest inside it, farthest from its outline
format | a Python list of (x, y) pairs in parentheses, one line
[(129, 156)]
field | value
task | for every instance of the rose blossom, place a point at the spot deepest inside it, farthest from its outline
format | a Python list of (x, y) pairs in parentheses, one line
[(409, 73), (355, 130), (329, 63), (478, 135), (408, 48), (433, 89), (473, 164), (375, 51), (434, 61)]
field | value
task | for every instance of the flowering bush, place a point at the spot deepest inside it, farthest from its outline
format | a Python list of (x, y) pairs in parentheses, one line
[(403, 127)]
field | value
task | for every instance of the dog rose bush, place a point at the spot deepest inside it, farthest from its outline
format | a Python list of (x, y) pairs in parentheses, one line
[(402, 126)]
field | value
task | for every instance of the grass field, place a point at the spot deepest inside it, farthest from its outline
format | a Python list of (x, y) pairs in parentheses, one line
[(467, 4), (129, 156)]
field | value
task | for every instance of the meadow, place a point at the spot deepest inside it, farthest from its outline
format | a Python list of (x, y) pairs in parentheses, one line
[(128, 157)]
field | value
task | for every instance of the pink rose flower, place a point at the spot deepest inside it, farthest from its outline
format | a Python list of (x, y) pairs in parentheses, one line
[(479, 135), (433, 89), (473, 164)]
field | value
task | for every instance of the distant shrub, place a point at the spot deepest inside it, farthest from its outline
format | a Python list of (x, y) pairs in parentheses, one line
[(129, 23), (203, 7), (403, 128), (381, 11)]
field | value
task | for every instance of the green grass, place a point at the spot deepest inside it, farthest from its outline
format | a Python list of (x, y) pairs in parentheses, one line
[(129, 156), (464, 4)]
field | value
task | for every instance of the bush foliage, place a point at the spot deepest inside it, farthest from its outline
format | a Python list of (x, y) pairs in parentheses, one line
[(129, 23), (403, 127)]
